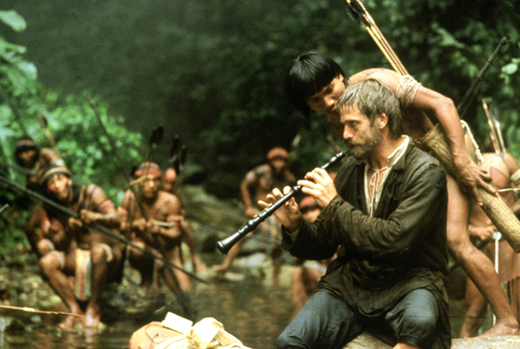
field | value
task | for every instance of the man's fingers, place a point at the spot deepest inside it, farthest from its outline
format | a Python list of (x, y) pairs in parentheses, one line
[(262, 204), (478, 199), (489, 188)]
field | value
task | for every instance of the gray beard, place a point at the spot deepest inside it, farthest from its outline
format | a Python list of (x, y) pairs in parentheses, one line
[(362, 152)]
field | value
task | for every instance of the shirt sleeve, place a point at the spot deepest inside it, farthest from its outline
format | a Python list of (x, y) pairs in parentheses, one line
[(420, 204), (307, 243)]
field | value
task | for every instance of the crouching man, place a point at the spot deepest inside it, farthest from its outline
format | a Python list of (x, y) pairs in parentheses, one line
[(387, 211), (90, 256)]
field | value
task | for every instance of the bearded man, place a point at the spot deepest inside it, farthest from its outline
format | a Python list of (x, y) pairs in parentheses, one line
[(386, 211)]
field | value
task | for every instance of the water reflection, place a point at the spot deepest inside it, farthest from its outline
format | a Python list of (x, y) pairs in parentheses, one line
[(249, 309)]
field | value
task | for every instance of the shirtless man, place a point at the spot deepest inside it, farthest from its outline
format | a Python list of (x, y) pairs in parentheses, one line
[(31, 157), (314, 82), (82, 247), (165, 220), (262, 180), (501, 167), (170, 185)]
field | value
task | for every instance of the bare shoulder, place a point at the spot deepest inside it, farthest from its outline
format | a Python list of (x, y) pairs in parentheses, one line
[(512, 162), (128, 197), (169, 201), (386, 76)]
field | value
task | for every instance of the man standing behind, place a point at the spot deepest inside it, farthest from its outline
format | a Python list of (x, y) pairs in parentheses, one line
[(388, 213), (256, 185), (34, 159), (501, 167)]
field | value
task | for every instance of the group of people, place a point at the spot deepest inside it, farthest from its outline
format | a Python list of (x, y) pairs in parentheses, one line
[(81, 241), (381, 229), (391, 215)]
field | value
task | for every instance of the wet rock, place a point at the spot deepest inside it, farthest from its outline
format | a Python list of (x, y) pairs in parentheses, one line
[(366, 340), (10, 324), (501, 342)]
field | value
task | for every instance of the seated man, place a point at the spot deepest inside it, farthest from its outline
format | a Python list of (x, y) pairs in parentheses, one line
[(315, 82), (82, 251), (387, 211), (165, 223)]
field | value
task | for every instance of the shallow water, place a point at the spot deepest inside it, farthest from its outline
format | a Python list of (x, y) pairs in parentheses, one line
[(250, 309)]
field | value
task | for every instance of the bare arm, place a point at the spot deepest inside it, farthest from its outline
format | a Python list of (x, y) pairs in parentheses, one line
[(443, 109), (248, 182)]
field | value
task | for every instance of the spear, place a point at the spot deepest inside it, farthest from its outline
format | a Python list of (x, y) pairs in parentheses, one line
[(32, 310), (470, 94), (358, 12), (155, 138), (37, 197), (4, 208), (43, 122), (19, 169), (177, 156), (495, 134)]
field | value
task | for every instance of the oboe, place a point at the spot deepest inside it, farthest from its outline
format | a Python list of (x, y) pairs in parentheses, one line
[(225, 245)]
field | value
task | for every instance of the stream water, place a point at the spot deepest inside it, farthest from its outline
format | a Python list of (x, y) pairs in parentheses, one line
[(248, 307)]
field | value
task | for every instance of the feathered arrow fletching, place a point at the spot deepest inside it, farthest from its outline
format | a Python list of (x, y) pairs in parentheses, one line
[(174, 149), (178, 154), (43, 121), (357, 12), (156, 136)]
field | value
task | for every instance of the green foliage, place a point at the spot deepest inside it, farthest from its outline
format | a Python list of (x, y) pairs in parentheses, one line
[(71, 122), (13, 19), (212, 71)]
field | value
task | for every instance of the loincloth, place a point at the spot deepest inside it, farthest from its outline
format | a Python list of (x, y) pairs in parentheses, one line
[(83, 271)]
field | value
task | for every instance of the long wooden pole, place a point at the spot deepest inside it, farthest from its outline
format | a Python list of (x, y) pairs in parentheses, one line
[(32, 310)]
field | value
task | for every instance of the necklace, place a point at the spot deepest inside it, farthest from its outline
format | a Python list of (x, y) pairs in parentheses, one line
[(373, 188)]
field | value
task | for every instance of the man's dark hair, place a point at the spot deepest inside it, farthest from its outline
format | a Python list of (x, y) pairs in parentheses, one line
[(372, 98), (24, 143), (307, 74)]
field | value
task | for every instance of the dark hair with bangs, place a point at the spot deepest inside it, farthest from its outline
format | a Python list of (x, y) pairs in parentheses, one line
[(307, 74)]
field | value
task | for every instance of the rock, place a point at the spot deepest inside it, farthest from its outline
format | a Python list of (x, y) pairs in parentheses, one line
[(489, 342), (366, 340), (10, 324)]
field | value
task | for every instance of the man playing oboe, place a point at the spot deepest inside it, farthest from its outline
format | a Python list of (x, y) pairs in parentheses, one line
[(387, 211)]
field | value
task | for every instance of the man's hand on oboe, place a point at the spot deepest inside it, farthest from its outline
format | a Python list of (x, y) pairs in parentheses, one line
[(319, 185), (289, 214)]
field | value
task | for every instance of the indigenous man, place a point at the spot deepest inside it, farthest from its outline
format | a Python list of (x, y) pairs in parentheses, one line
[(261, 180), (315, 82), (388, 214), (502, 168), (30, 157), (165, 219), (170, 185), (88, 255)]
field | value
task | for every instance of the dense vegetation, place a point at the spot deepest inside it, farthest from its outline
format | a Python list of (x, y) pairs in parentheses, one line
[(212, 71)]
